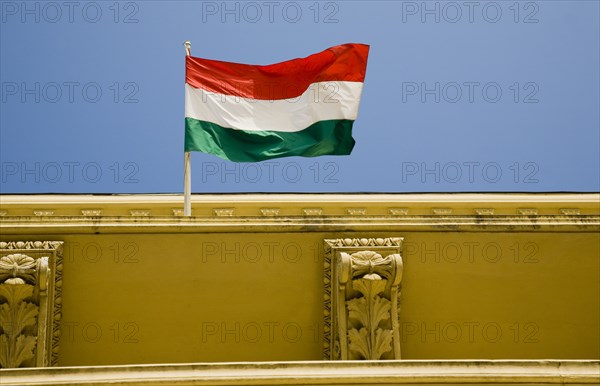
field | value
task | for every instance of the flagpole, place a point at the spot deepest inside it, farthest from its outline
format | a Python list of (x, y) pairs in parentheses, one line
[(187, 167)]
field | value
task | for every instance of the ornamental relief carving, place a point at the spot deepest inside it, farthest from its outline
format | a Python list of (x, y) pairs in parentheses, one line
[(30, 289), (19, 311), (362, 299)]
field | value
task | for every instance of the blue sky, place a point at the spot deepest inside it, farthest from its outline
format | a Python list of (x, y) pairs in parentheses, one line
[(459, 96)]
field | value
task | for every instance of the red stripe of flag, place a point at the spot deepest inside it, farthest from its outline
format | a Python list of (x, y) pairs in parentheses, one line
[(289, 79)]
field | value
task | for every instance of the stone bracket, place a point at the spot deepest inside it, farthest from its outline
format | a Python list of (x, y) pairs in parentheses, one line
[(30, 303), (362, 298)]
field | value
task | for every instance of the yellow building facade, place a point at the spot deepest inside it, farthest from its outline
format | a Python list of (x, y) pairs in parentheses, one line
[(300, 289)]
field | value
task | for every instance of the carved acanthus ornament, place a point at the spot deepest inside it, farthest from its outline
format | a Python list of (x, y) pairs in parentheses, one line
[(362, 283), (30, 289)]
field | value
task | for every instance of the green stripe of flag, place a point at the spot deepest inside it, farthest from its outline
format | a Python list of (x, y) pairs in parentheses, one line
[(332, 137)]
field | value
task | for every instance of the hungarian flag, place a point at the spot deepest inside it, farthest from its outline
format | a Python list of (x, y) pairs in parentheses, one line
[(302, 107)]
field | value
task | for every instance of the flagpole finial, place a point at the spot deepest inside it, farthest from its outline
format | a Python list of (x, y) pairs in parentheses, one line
[(188, 47)]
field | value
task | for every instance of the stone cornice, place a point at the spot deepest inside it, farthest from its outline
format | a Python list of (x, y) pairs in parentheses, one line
[(210, 205), (578, 212), (157, 224), (336, 198), (413, 372)]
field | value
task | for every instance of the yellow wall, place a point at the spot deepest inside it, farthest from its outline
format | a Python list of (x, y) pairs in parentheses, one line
[(166, 296)]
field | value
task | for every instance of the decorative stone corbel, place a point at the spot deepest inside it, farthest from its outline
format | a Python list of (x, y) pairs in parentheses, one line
[(362, 284), (30, 300)]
